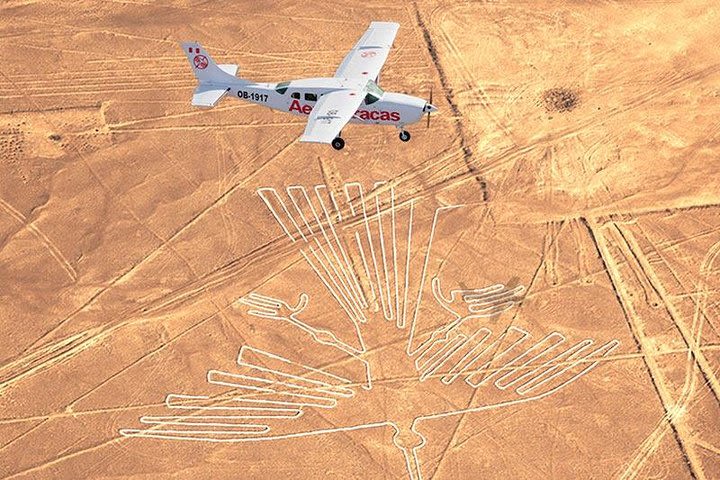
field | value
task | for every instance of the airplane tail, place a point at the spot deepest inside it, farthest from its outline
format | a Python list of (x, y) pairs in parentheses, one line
[(214, 79), (205, 68)]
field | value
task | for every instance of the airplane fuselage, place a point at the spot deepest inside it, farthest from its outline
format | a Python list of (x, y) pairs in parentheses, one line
[(352, 95), (300, 96)]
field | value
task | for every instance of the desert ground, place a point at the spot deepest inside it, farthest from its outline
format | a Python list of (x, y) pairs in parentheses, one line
[(529, 288)]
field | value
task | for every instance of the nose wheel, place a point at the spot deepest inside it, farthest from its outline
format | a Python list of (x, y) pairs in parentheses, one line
[(338, 143), (404, 136)]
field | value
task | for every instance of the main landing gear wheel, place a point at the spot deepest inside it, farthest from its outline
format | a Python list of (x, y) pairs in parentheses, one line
[(338, 143), (404, 136)]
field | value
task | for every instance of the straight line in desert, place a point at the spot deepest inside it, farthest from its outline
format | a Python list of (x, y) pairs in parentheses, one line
[(175, 115), (52, 249), (165, 242), (116, 83), (98, 333), (226, 126), (466, 76), (94, 92), (683, 435), (697, 354), (130, 36)]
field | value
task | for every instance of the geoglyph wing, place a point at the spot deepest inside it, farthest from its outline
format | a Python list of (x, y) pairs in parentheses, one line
[(262, 398), (511, 360)]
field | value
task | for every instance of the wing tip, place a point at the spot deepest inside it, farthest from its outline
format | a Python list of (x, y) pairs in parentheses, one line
[(310, 139), (384, 24)]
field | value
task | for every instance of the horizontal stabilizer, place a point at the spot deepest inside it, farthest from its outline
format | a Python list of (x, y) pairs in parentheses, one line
[(208, 95), (228, 68)]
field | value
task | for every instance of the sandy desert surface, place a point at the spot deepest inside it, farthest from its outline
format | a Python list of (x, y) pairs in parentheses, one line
[(190, 293)]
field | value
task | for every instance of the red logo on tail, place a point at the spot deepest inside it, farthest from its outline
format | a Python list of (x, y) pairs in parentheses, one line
[(200, 61)]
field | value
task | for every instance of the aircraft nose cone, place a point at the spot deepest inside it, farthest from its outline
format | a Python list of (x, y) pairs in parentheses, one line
[(430, 108)]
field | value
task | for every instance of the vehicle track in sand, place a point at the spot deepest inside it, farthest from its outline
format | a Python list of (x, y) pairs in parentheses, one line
[(447, 89), (470, 83), (690, 385)]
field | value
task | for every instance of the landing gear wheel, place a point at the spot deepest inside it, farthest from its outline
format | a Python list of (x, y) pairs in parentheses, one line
[(338, 143), (404, 136)]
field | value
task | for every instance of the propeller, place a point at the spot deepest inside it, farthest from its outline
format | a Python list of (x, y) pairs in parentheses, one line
[(429, 109)]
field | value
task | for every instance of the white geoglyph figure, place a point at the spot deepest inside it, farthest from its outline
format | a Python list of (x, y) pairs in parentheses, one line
[(373, 261)]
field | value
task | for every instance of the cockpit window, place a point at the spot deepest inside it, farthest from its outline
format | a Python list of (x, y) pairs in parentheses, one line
[(295, 95), (282, 87), (374, 92)]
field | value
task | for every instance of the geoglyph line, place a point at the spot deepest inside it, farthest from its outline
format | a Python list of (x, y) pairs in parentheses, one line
[(284, 404), (356, 285), (240, 425), (270, 393), (361, 250), (366, 223), (49, 244), (378, 224), (379, 216), (335, 273), (341, 268), (413, 324)]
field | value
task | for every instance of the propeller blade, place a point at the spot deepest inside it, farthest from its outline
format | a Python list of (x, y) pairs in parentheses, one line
[(429, 103)]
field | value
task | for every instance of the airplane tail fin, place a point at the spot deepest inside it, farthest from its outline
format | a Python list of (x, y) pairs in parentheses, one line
[(205, 68)]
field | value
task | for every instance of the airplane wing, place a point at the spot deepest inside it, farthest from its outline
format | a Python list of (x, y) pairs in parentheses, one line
[(368, 56), (330, 115)]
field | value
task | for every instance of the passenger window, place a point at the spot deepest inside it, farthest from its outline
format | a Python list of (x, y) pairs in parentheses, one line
[(310, 97), (295, 95)]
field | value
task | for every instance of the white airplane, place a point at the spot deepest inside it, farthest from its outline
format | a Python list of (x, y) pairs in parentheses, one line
[(351, 96)]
